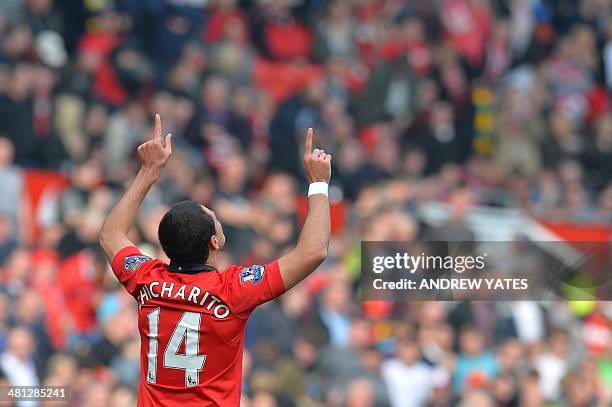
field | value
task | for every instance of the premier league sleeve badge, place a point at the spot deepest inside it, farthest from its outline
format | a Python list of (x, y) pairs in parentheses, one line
[(132, 263), (253, 274)]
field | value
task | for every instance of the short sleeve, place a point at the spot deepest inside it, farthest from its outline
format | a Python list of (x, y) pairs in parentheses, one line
[(126, 263), (254, 285)]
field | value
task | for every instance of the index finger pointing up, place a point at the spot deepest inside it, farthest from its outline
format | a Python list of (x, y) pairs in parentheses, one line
[(308, 142), (157, 131)]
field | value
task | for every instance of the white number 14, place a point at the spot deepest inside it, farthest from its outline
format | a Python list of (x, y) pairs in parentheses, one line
[(188, 329)]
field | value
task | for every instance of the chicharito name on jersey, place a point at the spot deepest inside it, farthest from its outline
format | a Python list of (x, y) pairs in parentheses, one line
[(185, 292)]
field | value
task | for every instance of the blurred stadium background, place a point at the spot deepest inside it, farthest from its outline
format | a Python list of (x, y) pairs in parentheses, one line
[(453, 119)]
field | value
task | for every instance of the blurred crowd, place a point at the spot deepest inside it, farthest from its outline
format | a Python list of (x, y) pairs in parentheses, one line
[(502, 103)]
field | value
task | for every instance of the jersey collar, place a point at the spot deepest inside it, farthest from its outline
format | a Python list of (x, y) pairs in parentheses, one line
[(189, 268)]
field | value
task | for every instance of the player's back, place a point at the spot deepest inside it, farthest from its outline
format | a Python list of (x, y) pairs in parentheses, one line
[(189, 337), (192, 327)]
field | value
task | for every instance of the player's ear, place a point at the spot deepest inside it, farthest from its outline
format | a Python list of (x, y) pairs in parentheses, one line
[(214, 242)]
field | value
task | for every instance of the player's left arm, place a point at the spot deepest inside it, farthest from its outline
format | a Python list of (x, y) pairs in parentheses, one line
[(153, 156), (251, 286), (311, 248)]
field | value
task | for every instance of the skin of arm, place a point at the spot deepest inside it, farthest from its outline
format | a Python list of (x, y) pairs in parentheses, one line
[(153, 156), (313, 242)]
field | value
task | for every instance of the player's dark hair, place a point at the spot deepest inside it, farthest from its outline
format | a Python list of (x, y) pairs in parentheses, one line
[(184, 232)]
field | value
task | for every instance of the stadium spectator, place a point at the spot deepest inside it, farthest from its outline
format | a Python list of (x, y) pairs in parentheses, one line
[(407, 374), (17, 360)]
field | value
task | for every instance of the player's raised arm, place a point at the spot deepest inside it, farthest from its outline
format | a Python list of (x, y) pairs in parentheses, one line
[(312, 245), (153, 156)]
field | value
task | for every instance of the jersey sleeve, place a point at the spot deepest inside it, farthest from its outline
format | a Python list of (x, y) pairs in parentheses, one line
[(254, 285), (126, 264)]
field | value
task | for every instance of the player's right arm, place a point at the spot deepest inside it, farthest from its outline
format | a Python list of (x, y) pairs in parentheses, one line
[(313, 242), (113, 238)]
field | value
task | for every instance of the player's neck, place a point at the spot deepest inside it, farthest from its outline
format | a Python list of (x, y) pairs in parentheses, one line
[(212, 260)]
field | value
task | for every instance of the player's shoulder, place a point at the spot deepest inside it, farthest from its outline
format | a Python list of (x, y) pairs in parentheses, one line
[(228, 272), (133, 260), (253, 273)]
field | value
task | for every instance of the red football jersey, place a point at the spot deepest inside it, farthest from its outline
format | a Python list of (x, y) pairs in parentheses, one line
[(192, 327)]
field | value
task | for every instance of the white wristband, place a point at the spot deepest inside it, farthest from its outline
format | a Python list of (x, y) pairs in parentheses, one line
[(318, 188)]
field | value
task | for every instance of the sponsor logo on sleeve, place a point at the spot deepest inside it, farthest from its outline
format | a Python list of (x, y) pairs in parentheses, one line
[(132, 263), (253, 274)]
